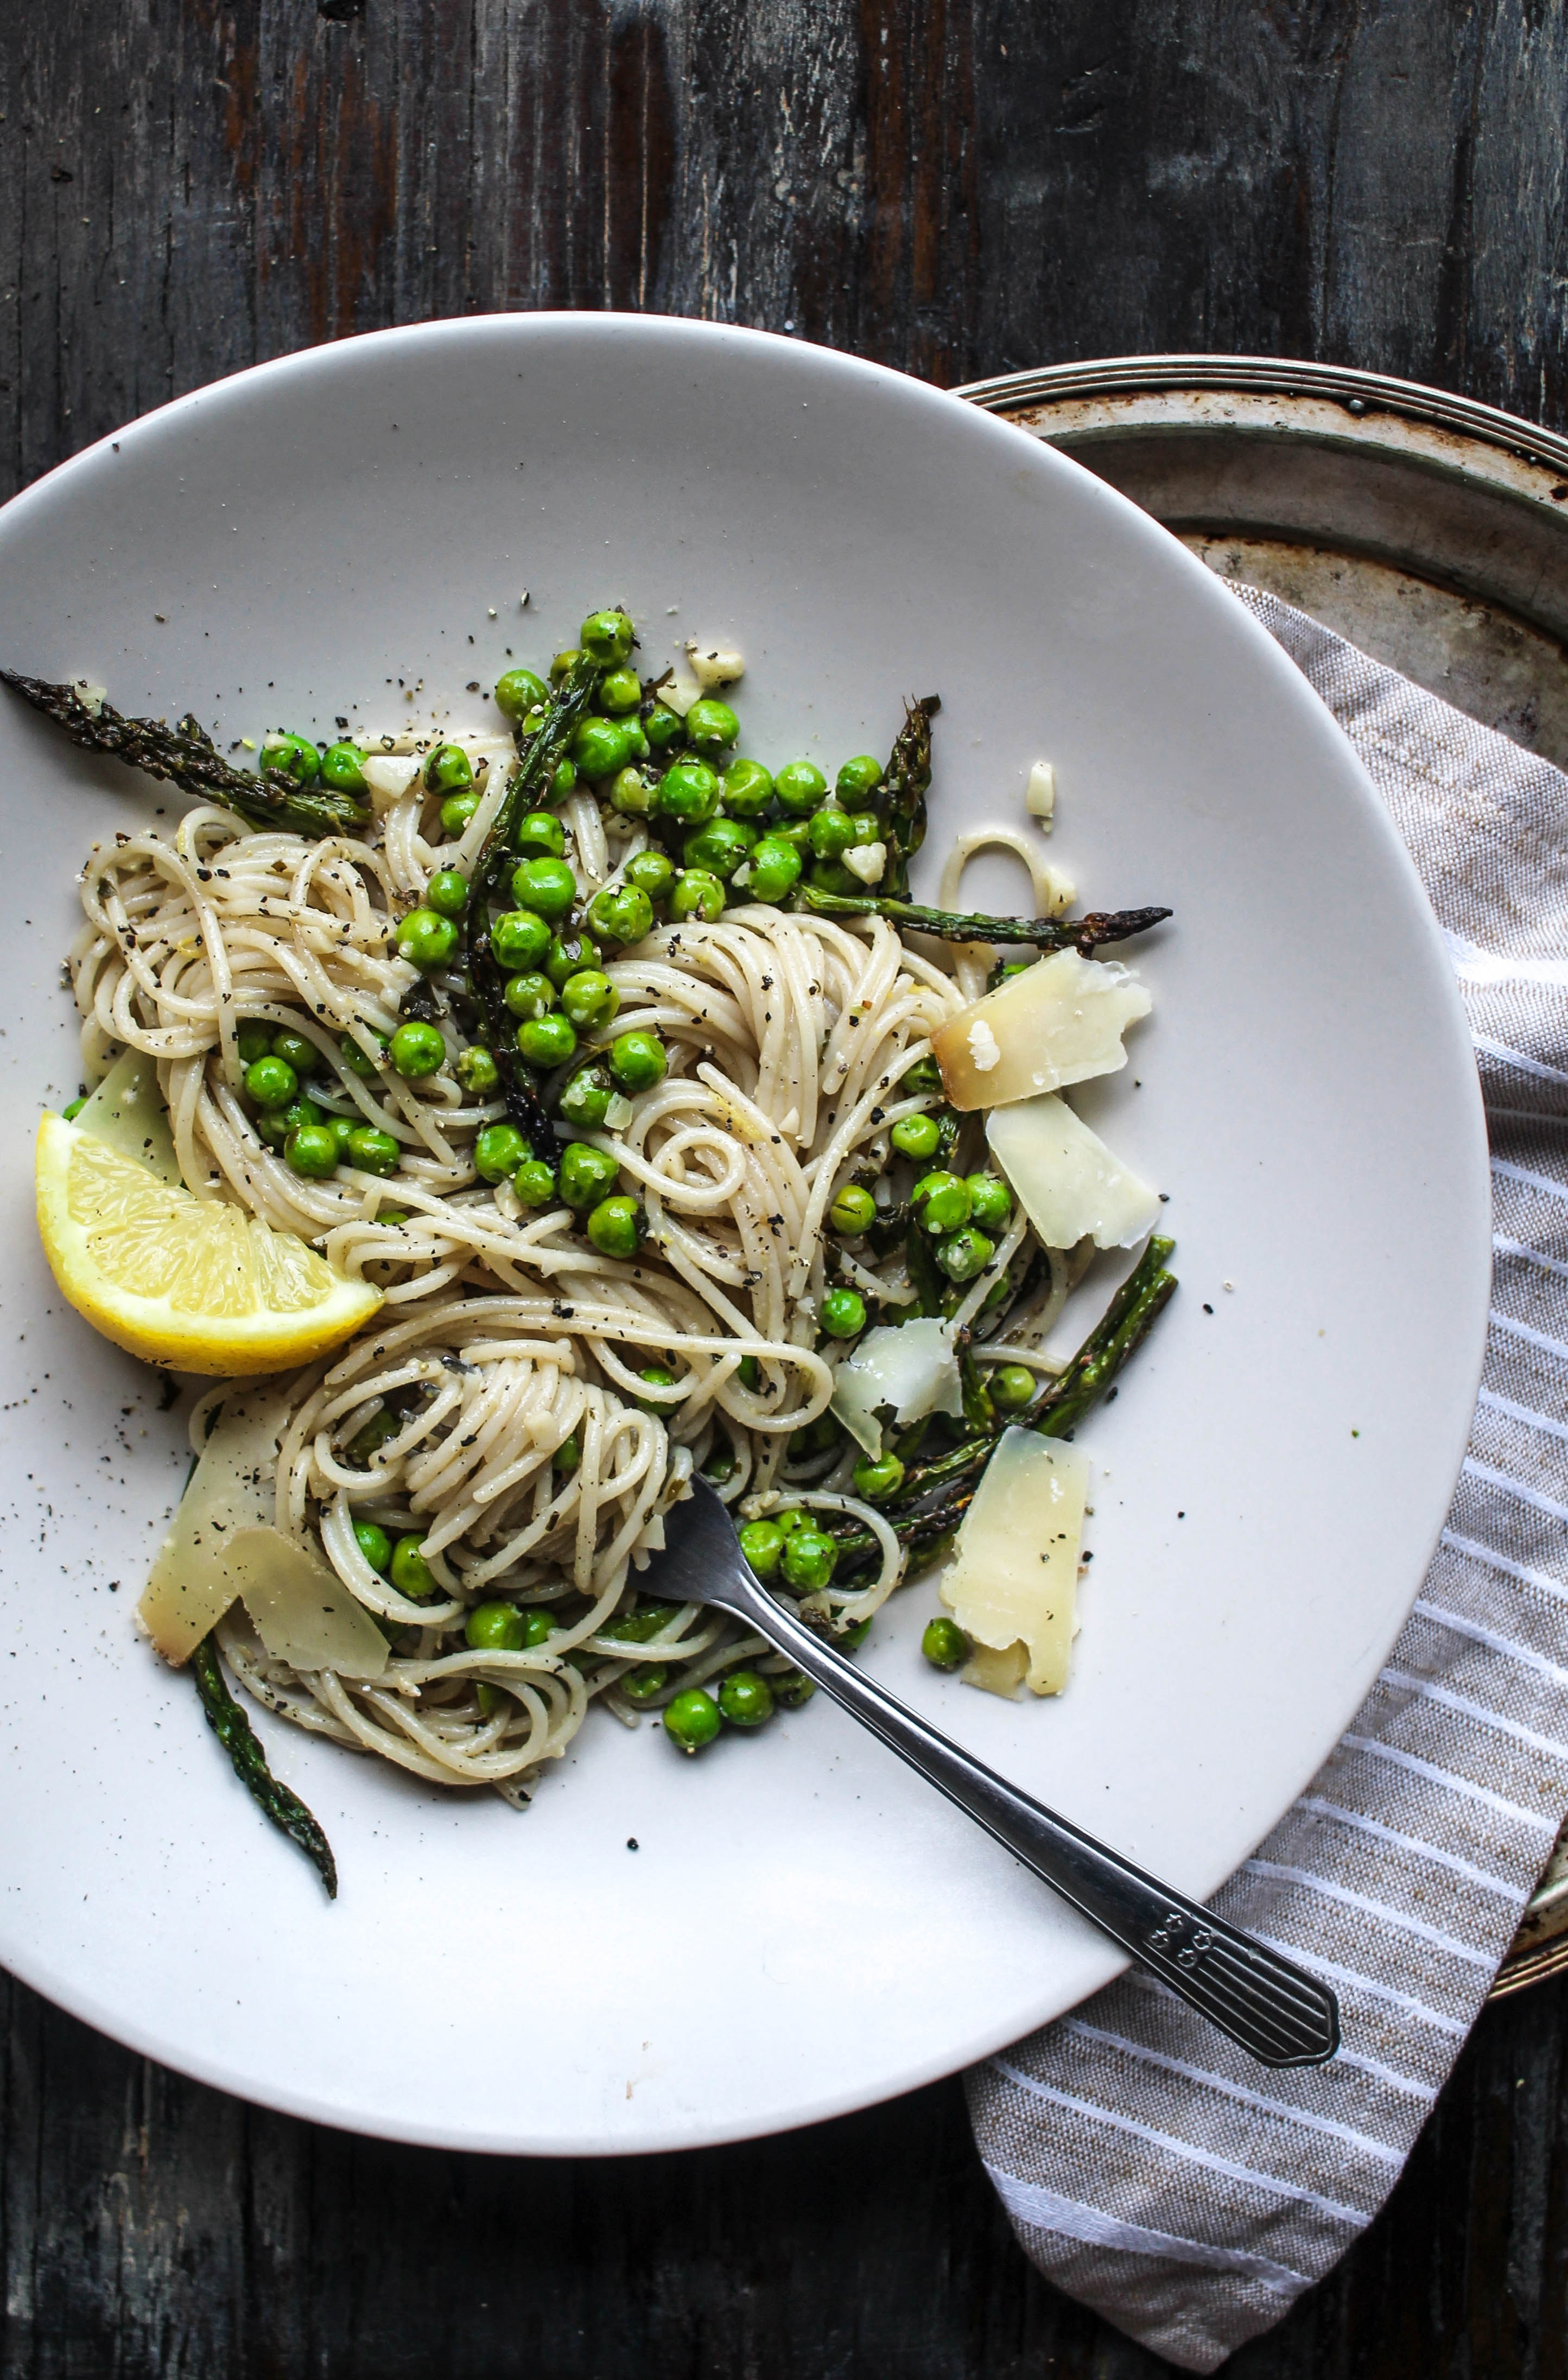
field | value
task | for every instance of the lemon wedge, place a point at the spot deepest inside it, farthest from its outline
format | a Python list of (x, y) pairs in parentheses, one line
[(187, 1282)]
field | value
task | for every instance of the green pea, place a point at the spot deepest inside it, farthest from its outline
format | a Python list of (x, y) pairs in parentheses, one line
[(746, 1698), (917, 1135), (832, 876), (537, 1626), (312, 1150), (499, 1149), (793, 1689), (297, 1052), (520, 937), (692, 1719), (833, 832), (856, 782), (795, 1516), (567, 1455), (354, 1057), (710, 726), (534, 1183), (632, 795), (656, 1375), (719, 1465), (271, 1082), (940, 1202), (517, 691), (568, 956), (417, 1051), (749, 1371), (295, 756), (599, 747), (456, 811), (796, 832), (411, 1575), (925, 1075), (565, 780), (689, 792), (391, 1217), (589, 999), (615, 1226), (643, 1683), (540, 836), (373, 1151), (876, 1479), (448, 770), (373, 1542), (546, 886), (425, 940), (608, 636), (719, 846), (568, 659), (748, 789), (342, 1128), (664, 728), (696, 893), (528, 996), (489, 1698), (253, 1040), (762, 1543), (586, 1099), (990, 1201), (586, 1174), (776, 868), (799, 788), (810, 1559), (343, 768), (964, 1253), (620, 690), (1012, 1386), (652, 872), (547, 1041), (620, 913), (494, 1628), (852, 1211), (944, 1644), (367, 1442), (637, 744), (844, 1314), (638, 1062)]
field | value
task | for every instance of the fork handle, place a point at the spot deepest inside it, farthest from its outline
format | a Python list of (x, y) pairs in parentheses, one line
[(1281, 2015)]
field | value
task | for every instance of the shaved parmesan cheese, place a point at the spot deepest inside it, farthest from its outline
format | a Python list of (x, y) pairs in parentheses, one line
[(231, 1489), (912, 1367), (714, 665), (301, 1610), (1013, 1584), (1059, 1021), (1068, 1183), (996, 1674), (867, 860), (1039, 794), (128, 1111)]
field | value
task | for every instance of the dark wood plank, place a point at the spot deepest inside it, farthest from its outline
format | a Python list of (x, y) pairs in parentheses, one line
[(953, 187)]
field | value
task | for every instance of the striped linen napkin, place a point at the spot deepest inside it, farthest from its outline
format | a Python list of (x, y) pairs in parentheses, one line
[(1147, 2166)]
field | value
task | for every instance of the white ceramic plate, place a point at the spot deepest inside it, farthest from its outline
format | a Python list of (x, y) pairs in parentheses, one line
[(804, 1927)]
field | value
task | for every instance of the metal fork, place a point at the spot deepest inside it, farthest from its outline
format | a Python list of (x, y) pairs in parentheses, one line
[(1283, 2016)]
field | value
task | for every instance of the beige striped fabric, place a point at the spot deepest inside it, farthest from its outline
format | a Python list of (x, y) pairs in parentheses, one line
[(1148, 2168)]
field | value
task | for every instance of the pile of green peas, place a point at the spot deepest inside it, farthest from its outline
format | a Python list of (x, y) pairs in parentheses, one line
[(313, 1143)]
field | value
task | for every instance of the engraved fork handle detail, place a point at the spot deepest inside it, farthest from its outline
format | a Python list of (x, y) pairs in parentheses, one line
[(1281, 2015)]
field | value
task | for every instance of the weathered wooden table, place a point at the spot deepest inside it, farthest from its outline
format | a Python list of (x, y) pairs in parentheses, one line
[(189, 186)]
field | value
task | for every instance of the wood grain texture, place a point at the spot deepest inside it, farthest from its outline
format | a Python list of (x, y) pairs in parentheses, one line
[(956, 188)]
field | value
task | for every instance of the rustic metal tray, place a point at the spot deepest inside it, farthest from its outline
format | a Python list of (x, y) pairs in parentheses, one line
[(1430, 531)]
